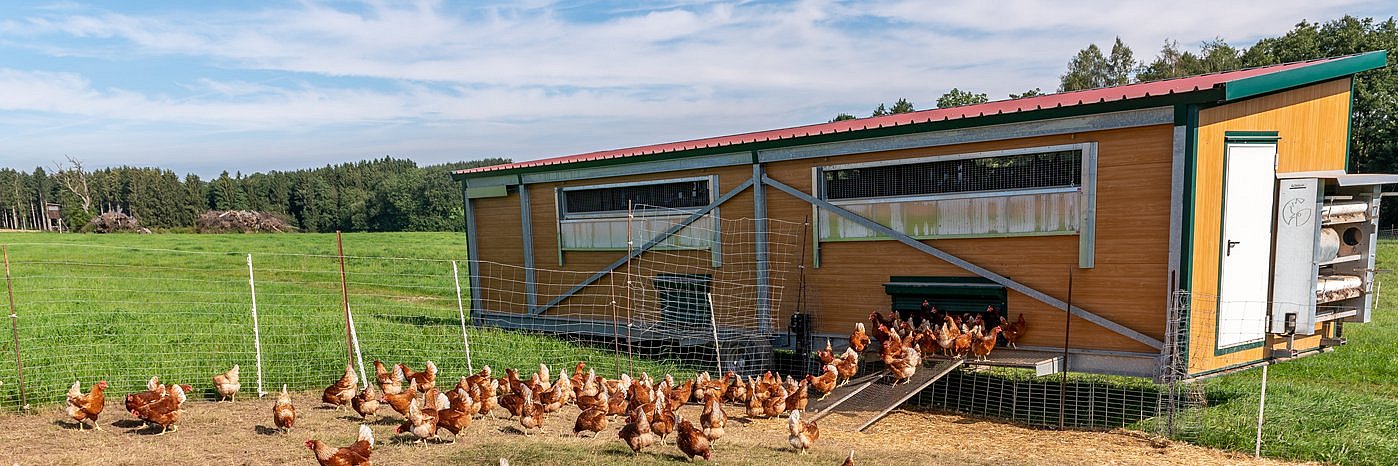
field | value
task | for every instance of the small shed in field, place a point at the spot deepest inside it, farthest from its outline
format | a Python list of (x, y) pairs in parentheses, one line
[(1210, 216)]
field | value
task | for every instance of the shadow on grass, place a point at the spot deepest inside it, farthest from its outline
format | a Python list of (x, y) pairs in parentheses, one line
[(264, 430), (420, 321)]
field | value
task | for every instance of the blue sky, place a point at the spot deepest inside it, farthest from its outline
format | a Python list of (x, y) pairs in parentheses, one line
[(253, 86)]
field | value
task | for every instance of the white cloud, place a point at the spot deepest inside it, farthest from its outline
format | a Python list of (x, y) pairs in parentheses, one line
[(505, 73)]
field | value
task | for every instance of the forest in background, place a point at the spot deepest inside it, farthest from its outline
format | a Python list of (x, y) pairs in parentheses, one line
[(391, 194)]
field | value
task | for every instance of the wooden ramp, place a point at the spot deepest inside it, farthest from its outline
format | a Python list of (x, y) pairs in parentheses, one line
[(875, 392)]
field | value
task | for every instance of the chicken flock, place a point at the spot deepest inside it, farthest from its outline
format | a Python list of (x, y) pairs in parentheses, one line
[(647, 409)]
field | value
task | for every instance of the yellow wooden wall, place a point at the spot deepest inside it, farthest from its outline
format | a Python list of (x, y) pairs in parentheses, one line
[(1128, 284), (1313, 125)]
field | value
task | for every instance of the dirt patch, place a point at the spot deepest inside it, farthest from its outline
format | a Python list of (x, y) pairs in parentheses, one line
[(241, 433)]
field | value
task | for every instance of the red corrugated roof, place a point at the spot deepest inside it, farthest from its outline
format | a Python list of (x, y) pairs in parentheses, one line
[(1065, 99)]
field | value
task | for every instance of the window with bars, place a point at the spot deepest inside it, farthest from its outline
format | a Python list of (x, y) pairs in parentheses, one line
[(602, 200), (1053, 169)]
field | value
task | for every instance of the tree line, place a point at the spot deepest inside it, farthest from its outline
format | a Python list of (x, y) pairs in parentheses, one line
[(1374, 119), (385, 194)]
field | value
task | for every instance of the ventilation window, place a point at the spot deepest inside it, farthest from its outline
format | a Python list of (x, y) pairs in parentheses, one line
[(1056, 169), (617, 199)]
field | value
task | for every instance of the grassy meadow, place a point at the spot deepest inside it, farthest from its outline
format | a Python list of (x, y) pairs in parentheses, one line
[(124, 307)]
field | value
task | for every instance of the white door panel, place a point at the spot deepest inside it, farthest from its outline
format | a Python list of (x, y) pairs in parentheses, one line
[(1246, 247)]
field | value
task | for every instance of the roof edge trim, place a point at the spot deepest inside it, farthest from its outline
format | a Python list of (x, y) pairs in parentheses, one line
[(1296, 77)]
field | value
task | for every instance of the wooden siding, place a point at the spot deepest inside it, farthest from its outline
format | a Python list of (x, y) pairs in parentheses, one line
[(1313, 125), (1127, 286)]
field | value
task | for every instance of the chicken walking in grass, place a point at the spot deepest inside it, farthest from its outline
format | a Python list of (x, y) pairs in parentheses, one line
[(636, 433), (226, 384), (86, 407), (691, 441), (365, 403), (283, 412), (164, 412)]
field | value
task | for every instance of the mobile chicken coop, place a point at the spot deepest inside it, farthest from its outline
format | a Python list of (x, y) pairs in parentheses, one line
[(1214, 207)]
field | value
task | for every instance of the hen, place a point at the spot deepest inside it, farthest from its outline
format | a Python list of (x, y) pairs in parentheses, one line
[(457, 416), (800, 396), (663, 422), (283, 412), (636, 433), (531, 415), (425, 379), (691, 442), (802, 434), (226, 384), (903, 368), (86, 407), (340, 392), (826, 355), (355, 454), (847, 365), (422, 421), (859, 339), (390, 381), (590, 420), (826, 382), (713, 419), (982, 346), (365, 403), (164, 412), (400, 401), (1013, 331)]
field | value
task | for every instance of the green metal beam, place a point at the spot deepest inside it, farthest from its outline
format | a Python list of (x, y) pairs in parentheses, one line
[(1301, 76)]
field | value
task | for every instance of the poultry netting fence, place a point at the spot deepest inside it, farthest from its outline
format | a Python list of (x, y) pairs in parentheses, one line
[(124, 314)]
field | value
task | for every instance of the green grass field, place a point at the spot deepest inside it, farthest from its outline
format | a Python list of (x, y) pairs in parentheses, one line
[(125, 307), (1340, 407)]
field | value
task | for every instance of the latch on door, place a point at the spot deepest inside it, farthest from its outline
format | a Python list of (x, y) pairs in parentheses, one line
[(1230, 247)]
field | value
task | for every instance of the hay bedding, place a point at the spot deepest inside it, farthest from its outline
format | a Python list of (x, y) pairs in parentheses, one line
[(241, 433)]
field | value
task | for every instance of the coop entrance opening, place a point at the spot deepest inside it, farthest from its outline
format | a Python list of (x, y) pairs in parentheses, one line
[(956, 295)]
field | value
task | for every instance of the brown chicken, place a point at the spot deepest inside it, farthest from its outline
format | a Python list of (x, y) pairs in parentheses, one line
[(676, 398), (616, 404), (597, 400), (531, 415), (86, 407), (421, 421), (590, 420), (961, 345), (796, 399), (489, 397), (457, 416), (1013, 331), (662, 422), (340, 392), (579, 377), (355, 454), (982, 346), (400, 401), (847, 365), (636, 433), (859, 339), (390, 381), (946, 336), (365, 403), (826, 382), (165, 412), (283, 412), (426, 380), (713, 420), (226, 384), (755, 397), (691, 442), (826, 355), (737, 391), (153, 391), (775, 404), (903, 368), (802, 434), (513, 402)]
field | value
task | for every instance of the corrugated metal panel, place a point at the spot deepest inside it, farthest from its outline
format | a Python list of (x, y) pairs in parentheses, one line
[(1009, 215), (1048, 101)]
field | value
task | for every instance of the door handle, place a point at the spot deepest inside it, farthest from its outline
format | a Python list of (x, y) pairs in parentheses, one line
[(1230, 247)]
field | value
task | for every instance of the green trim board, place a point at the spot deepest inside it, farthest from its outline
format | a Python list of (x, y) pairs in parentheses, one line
[(1297, 77), (1191, 115), (1251, 136)]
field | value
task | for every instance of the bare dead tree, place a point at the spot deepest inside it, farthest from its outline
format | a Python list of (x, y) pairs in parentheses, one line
[(74, 179)]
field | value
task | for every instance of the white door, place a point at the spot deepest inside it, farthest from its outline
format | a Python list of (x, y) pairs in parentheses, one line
[(1246, 248)]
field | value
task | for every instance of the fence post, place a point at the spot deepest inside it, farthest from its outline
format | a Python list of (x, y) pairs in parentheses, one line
[(1261, 407), (256, 329), (351, 337), (461, 311), (713, 324), (14, 331)]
